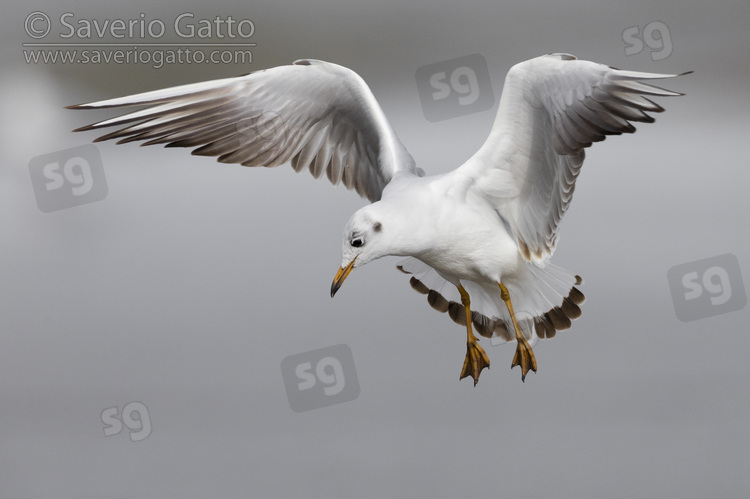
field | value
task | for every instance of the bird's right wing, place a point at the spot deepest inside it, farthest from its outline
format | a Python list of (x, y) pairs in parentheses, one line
[(314, 114), (551, 109)]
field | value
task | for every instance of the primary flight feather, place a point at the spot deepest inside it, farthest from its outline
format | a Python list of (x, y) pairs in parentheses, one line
[(488, 227)]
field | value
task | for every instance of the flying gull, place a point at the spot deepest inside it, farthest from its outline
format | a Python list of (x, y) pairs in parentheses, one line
[(485, 230)]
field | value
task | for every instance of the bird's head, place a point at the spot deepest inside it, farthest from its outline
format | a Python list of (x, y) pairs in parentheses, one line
[(363, 242)]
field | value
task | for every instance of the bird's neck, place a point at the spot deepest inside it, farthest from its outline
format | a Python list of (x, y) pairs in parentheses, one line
[(404, 226)]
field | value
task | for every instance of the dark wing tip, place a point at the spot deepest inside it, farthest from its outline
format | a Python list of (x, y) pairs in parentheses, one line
[(86, 128)]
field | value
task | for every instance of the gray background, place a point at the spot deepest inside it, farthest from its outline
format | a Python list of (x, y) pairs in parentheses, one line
[(186, 287)]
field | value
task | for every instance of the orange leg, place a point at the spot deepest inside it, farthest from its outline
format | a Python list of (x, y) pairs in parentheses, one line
[(476, 357), (524, 354)]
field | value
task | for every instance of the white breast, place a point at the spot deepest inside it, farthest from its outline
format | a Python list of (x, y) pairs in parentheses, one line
[(463, 239)]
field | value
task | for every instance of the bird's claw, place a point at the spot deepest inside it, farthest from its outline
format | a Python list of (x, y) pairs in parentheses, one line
[(524, 357), (476, 360)]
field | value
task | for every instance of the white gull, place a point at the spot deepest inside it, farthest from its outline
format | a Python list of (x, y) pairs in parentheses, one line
[(488, 227)]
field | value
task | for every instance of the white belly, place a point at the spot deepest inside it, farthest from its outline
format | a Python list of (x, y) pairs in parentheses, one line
[(472, 245), (462, 239)]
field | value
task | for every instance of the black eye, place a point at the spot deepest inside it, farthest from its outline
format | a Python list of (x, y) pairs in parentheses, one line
[(357, 242)]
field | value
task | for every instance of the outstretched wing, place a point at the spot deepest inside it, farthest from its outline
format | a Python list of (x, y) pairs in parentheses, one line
[(552, 108), (314, 114)]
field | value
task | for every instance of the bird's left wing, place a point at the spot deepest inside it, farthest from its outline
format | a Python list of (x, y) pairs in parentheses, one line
[(314, 114), (552, 108)]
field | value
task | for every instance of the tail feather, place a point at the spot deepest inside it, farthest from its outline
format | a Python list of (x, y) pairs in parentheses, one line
[(545, 300)]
